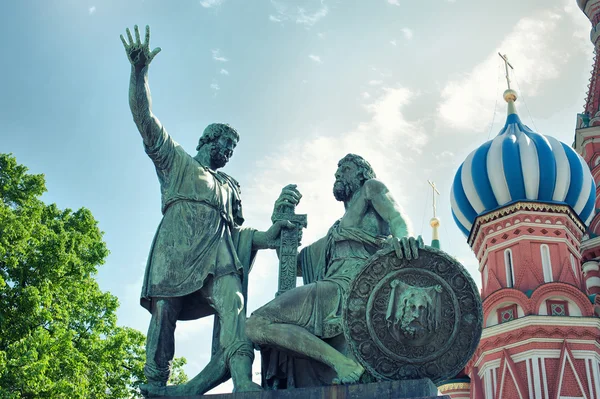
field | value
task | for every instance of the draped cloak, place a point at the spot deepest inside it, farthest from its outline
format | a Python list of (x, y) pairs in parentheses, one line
[(336, 258), (199, 236)]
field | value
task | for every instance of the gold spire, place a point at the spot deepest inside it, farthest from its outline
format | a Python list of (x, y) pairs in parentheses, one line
[(434, 222)]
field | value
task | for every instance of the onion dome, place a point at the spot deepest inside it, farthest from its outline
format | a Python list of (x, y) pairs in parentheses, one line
[(520, 165)]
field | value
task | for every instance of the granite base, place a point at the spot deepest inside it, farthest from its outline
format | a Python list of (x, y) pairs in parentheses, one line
[(408, 389)]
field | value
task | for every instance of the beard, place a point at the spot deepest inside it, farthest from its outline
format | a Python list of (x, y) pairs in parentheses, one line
[(218, 158), (344, 189)]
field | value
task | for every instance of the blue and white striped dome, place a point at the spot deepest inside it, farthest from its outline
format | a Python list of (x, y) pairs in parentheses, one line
[(520, 165)]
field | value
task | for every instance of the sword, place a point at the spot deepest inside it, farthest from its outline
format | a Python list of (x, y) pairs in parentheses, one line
[(288, 249)]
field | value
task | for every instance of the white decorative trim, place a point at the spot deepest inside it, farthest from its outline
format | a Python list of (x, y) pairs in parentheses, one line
[(487, 366), (592, 282), (537, 384), (533, 320), (589, 266), (546, 263), (562, 373), (545, 353), (495, 379), (525, 225), (590, 243), (503, 379), (588, 365), (576, 272), (545, 380), (511, 210), (531, 353), (525, 237), (597, 380), (585, 354), (488, 384), (528, 379)]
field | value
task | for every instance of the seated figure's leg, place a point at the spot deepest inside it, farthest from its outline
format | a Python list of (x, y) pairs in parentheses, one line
[(160, 344), (282, 324)]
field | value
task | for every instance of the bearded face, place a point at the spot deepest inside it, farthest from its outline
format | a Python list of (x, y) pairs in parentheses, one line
[(343, 189), (219, 156), (221, 151), (347, 181)]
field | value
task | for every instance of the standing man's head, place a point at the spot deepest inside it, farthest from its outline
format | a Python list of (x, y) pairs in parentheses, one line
[(353, 171), (219, 139)]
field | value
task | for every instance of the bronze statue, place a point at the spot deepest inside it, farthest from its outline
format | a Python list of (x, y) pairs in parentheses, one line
[(200, 256), (299, 320)]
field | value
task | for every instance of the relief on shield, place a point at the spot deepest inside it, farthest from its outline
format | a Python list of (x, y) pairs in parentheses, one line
[(413, 313)]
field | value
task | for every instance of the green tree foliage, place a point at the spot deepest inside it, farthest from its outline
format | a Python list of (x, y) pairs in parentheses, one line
[(58, 332)]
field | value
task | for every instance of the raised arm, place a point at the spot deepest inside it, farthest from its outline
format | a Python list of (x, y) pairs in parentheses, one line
[(140, 102)]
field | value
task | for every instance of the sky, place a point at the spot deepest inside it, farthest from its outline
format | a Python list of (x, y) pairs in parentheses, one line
[(411, 86)]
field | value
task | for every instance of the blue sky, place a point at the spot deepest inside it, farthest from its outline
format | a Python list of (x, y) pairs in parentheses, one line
[(412, 86)]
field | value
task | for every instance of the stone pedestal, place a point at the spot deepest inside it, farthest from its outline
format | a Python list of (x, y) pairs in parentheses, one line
[(408, 389)]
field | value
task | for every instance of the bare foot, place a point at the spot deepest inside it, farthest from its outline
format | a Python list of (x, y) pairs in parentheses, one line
[(247, 386), (348, 373)]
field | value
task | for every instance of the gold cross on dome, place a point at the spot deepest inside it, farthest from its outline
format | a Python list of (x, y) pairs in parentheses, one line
[(506, 65), (435, 191)]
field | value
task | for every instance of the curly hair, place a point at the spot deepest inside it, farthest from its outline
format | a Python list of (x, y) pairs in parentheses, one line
[(363, 166), (214, 131)]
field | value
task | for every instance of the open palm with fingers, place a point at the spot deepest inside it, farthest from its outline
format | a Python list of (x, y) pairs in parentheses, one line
[(139, 53)]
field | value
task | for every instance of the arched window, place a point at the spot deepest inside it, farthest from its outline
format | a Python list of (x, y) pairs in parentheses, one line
[(546, 264), (508, 265), (574, 266)]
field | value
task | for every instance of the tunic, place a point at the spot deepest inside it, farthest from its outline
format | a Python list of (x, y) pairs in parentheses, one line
[(199, 235), (328, 267)]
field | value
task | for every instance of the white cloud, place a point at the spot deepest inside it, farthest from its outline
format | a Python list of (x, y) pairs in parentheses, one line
[(393, 42), (211, 3), (384, 73), (315, 58), (387, 140), (581, 31), (273, 18), (533, 49), (215, 86), (394, 2), (408, 33), (224, 71), (375, 82), (216, 54), (192, 329), (92, 10), (444, 155), (366, 95), (308, 15)]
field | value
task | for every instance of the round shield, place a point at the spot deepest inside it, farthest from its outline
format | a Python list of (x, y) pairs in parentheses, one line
[(409, 319)]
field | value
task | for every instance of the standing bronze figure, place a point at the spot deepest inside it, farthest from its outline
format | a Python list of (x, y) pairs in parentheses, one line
[(200, 256)]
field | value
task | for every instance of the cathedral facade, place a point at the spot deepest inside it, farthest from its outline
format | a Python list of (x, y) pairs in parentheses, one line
[(529, 207)]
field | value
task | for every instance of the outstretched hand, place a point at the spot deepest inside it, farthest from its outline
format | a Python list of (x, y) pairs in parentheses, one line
[(406, 247), (273, 234), (139, 53)]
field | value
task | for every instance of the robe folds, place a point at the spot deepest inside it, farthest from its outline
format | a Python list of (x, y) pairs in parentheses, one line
[(336, 258), (200, 235)]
